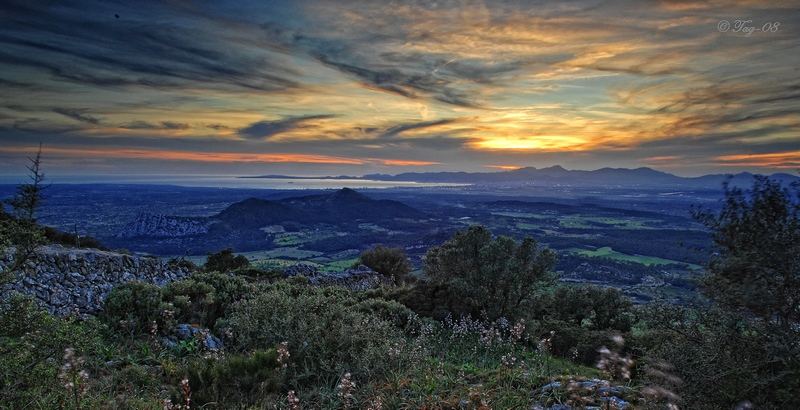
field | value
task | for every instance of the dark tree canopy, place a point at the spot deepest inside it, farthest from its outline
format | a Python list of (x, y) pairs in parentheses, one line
[(390, 262), (224, 261), (756, 266), (495, 276)]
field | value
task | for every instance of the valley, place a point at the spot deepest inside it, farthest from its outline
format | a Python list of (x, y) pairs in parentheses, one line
[(643, 240)]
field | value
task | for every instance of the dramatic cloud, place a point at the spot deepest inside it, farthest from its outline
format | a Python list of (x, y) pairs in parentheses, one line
[(397, 129), (454, 85), (265, 129), (77, 115)]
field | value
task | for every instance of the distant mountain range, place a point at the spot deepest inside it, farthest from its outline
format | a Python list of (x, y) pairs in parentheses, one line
[(641, 177), (605, 177)]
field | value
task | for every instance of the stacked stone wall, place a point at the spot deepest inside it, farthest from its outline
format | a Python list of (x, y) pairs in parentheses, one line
[(68, 279)]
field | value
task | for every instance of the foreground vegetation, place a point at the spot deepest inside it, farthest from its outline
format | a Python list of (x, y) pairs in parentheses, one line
[(487, 326)]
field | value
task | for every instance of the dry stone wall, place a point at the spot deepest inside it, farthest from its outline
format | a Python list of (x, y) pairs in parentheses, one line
[(68, 279)]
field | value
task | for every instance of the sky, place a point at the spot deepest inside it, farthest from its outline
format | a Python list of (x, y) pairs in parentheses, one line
[(337, 87)]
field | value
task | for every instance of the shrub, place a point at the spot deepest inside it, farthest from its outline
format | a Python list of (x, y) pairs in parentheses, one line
[(327, 330), (205, 298), (723, 358), (389, 262), (224, 261), (32, 345), (587, 306), (496, 277), (236, 380), (133, 307)]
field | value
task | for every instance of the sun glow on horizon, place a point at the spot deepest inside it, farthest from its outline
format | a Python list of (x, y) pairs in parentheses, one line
[(540, 143)]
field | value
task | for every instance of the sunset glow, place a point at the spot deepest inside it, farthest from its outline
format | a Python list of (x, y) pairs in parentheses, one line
[(262, 87)]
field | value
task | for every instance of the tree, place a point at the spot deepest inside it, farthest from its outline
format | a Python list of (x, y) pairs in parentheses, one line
[(389, 262), (493, 276), (756, 266), (224, 261), (20, 228)]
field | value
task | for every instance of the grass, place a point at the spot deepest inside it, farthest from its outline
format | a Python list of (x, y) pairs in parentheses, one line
[(340, 264), (285, 252), (607, 252), (277, 263)]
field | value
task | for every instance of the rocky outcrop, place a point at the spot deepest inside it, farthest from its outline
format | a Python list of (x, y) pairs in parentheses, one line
[(67, 279), (360, 278), (162, 226)]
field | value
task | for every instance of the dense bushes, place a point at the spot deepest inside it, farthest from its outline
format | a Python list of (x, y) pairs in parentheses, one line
[(32, 350), (389, 262), (495, 277), (224, 261), (236, 380), (329, 331), (202, 300), (714, 350)]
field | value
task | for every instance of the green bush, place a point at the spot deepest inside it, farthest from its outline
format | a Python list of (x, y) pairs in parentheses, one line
[(494, 276), (32, 353), (133, 307), (203, 299), (723, 358), (252, 272), (587, 306), (236, 380), (429, 299), (328, 331), (389, 262), (207, 297), (224, 261)]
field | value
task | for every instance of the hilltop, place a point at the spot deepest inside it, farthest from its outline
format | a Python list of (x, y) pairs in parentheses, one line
[(252, 223)]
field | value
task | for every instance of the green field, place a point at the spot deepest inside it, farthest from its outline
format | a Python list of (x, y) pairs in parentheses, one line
[(286, 252), (339, 265), (584, 222), (268, 264), (529, 221), (607, 252)]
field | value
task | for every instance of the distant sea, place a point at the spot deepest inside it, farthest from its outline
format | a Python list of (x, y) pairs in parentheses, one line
[(222, 181)]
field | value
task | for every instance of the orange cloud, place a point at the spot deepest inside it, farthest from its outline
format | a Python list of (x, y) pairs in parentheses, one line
[(224, 156), (401, 162), (789, 159), (506, 167)]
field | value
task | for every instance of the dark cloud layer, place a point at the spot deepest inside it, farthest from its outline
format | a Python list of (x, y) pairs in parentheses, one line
[(138, 50), (77, 115), (464, 84), (264, 129)]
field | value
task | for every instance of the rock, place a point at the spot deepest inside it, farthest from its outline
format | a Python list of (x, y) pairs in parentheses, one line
[(300, 269), (162, 226), (84, 277), (186, 332), (183, 331)]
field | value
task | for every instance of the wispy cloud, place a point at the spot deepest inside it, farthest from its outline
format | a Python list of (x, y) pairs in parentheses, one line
[(77, 115), (445, 84), (164, 125), (265, 129), (397, 129)]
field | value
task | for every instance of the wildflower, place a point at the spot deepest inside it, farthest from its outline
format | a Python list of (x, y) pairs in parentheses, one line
[(346, 387), (377, 404), (294, 402), (283, 354), (76, 381)]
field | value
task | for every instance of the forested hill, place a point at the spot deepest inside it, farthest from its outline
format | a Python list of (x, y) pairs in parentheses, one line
[(241, 225), (342, 206)]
